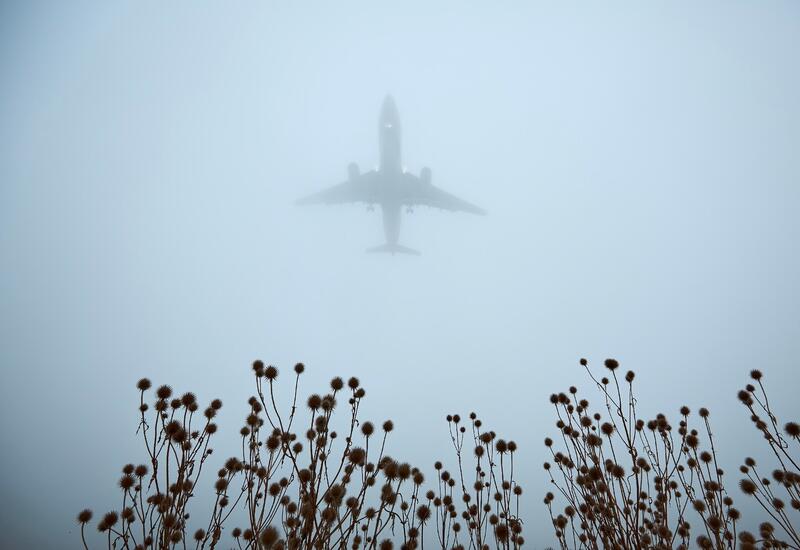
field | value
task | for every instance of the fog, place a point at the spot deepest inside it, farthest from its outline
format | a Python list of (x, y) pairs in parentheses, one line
[(638, 161)]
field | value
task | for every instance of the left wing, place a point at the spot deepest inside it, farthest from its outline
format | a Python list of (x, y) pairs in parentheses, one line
[(360, 188), (419, 190)]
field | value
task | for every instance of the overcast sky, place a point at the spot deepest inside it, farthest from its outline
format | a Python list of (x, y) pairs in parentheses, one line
[(639, 161)]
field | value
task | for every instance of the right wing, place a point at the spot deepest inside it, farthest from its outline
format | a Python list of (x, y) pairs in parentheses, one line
[(361, 188), (422, 192)]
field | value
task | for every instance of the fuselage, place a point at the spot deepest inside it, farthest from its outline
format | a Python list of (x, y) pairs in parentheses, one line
[(390, 169)]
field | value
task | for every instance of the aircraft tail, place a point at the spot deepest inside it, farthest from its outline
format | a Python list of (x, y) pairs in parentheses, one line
[(394, 249)]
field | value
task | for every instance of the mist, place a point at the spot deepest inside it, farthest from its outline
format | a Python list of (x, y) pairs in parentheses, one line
[(638, 161)]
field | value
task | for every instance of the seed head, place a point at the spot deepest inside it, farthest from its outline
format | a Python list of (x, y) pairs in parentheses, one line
[(314, 402), (110, 519), (269, 536), (629, 376), (423, 513), (747, 487), (164, 392)]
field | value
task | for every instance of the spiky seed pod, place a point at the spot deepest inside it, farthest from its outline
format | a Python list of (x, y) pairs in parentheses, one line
[(388, 426), (423, 513), (126, 482), (748, 487), (367, 428), (314, 402), (270, 373), (299, 368), (629, 376), (611, 364), (164, 392), (110, 519), (188, 398), (328, 403), (143, 384), (85, 516)]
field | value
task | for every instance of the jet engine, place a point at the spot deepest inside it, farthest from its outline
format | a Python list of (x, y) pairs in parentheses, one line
[(425, 175), (352, 171)]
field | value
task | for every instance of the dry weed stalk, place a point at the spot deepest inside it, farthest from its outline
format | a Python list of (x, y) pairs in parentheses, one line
[(785, 476), (304, 486), (630, 483)]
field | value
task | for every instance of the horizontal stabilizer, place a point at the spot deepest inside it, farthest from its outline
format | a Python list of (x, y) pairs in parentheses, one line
[(394, 249)]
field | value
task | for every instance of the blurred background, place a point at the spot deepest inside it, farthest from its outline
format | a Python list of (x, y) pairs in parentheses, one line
[(639, 162)]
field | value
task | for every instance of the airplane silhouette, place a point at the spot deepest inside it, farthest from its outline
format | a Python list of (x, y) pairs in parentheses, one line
[(390, 186)]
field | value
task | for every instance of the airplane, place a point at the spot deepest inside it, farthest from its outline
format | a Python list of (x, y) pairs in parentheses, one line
[(390, 186)]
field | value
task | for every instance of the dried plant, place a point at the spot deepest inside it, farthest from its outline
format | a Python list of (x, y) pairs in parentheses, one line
[(635, 483), (785, 475), (301, 484), (626, 482), (488, 492)]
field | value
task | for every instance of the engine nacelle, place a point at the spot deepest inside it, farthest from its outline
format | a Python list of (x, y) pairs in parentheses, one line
[(352, 171), (425, 175)]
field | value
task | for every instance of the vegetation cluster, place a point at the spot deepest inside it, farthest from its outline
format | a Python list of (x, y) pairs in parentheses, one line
[(619, 481)]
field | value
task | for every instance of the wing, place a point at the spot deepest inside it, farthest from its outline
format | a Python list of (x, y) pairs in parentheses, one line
[(358, 189), (420, 192)]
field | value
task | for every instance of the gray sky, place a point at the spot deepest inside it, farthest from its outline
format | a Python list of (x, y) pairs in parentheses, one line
[(639, 162)]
